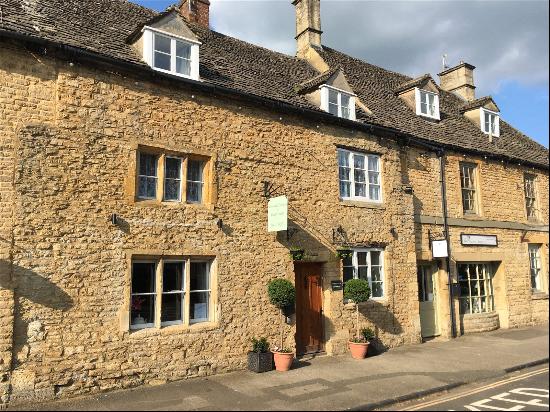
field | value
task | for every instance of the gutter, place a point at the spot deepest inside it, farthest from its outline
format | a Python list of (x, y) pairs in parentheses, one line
[(95, 57)]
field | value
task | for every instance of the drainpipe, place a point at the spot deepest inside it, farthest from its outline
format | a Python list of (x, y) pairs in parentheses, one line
[(441, 155)]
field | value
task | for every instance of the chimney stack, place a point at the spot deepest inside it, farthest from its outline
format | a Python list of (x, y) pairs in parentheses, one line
[(308, 24), (459, 80), (196, 11)]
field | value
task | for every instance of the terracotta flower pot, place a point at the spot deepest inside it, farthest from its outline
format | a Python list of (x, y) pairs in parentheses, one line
[(283, 361), (358, 350)]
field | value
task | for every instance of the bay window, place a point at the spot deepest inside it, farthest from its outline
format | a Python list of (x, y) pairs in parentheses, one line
[(476, 287)]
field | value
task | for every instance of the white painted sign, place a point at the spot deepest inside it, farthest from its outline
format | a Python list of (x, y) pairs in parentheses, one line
[(478, 240), (277, 214), (439, 248)]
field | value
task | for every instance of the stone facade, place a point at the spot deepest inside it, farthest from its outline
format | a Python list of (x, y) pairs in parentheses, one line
[(70, 135), (74, 156)]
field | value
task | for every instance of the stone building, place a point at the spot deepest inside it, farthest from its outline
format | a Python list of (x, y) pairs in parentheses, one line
[(138, 151)]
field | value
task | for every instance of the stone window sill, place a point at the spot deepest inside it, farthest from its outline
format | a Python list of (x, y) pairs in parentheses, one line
[(539, 296), (166, 204), (174, 330), (365, 205)]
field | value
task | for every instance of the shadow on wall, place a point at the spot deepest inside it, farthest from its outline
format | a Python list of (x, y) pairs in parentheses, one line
[(34, 287), (384, 322)]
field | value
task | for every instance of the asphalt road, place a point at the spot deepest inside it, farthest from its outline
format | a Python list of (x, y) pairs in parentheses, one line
[(522, 391)]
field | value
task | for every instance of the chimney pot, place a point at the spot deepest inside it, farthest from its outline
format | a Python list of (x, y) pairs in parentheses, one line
[(196, 11), (459, 80)]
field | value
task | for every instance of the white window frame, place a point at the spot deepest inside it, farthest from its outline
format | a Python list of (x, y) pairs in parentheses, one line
[(489, 273), (496, 132), (355, 266), (473, 190), (200, 182), (149, 52), (351, 163), (418, 99), (530, 194), (156, 176), (535, 264), (325, 101)]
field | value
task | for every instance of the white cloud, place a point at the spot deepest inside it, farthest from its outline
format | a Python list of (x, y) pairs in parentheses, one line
[(506, 40)]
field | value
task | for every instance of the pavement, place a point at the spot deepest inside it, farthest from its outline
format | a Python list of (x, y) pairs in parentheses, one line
[(340, 383)]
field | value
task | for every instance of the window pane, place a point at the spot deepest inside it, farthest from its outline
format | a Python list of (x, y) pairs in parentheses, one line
[(375, 258), (162, 61), (363, 272), (172, 276), (345, 173), (142, 187), (142, 310), (333, 97), (361, 258), (348, 273), (374, 192), (143, 278), (147, 164), (359, 161), (374, 163), (360, 190), (162, 44), (345, 189), (194, 192), (151, 191), (183, 66), (194, 170), (200, 276), (183, 50), (172, 307), (194, 181), (377, 290), (173, 168), (359, 176), (333, 109), (343, 158), (376, 275), (198, 310), (172, 189)]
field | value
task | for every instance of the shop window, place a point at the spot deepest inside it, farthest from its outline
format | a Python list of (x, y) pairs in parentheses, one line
[(367, 264), (165, 280), (183, 177), (476, 288)]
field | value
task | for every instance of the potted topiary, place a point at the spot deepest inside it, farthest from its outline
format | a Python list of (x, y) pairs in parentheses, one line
[(358, 291), (282, 294), (260, 359), (297, 253)]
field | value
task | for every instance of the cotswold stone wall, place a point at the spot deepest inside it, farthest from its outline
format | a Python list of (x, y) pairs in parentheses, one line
[(502, 207), (75, 157)]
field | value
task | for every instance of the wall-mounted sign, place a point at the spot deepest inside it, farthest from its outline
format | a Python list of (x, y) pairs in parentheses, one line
[(336, 285), (478, 240), (277, 214), (439, 248)]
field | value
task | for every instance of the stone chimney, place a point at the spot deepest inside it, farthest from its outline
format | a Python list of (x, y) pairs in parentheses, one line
[(459, 80), (196, 11), (308, 25)]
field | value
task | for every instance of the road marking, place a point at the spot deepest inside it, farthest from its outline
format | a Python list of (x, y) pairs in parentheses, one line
[(474, 391)]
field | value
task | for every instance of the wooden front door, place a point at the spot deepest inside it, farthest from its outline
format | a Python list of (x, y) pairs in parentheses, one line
[(309, 308)]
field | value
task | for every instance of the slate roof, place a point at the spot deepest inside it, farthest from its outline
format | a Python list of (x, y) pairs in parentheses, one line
[(413, 83), (474, 104), (103, 26)]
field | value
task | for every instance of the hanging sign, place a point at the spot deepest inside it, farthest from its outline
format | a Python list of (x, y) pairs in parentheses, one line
[(478, 240), (439, 248), (277, 214)]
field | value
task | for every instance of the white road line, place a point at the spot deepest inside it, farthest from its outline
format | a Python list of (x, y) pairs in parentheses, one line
[(474, 391)]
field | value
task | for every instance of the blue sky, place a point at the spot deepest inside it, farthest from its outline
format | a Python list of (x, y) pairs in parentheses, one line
[(507, 41)]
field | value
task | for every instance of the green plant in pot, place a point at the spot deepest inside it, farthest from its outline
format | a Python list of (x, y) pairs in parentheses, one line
[(282, 294), (260, 359), (343, 253), (358, 291), (297, 253)]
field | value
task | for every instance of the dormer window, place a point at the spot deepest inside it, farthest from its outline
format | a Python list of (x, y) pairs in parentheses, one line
[(338, 102), (171, 54), (427, 104), (490, 122)]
